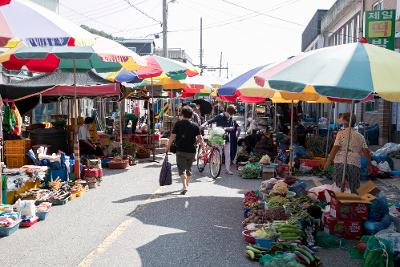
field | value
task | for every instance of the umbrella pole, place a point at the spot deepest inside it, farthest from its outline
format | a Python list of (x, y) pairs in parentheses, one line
[(275, 119), (291, 140), (245, 117), (153, 147), (329, 130), (253, 110), (347, 147), (77, 161), (120, 129), (1, 151)]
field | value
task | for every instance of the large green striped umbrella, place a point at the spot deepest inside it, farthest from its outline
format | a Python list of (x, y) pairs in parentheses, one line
[(350, 71)]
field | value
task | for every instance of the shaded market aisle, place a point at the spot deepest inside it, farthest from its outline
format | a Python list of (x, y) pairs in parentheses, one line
[(122, 223), (202, 228)]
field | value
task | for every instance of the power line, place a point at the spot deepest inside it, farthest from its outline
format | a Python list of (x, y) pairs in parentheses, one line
[(101, 7), (136, 28), (83, 15), (142, 12), (262, 14), (236, 19)]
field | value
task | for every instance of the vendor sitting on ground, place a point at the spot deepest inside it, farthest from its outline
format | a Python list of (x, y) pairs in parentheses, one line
[(265, 145), (86, 145)]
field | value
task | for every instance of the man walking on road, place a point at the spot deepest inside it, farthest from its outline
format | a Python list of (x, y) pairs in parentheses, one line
[(186, 135)]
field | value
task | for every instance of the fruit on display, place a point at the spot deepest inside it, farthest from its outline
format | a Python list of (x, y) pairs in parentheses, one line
[(250, 198), (265, 233), (280, 188), (276, 213), (276, 201), (256, 215)]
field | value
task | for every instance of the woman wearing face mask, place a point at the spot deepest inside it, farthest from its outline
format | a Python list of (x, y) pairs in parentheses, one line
[(225, 121)]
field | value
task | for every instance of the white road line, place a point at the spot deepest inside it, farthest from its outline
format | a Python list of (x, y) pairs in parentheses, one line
[(109, 240)]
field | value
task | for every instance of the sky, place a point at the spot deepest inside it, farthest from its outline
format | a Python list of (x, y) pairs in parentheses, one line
[(249, 33)]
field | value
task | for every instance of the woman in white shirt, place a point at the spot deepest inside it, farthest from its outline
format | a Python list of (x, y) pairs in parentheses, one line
[(86, 146)]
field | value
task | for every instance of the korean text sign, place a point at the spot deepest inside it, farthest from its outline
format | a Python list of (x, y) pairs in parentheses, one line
[(380, 27)]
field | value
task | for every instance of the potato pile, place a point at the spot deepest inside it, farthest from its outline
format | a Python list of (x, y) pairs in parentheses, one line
[(256, 215)]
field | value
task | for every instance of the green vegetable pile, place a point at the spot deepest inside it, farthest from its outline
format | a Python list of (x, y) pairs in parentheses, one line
[(281, 260), (276, 201), (254, 252), (217, 139), (255, 158), (251, 170), (287, 232)]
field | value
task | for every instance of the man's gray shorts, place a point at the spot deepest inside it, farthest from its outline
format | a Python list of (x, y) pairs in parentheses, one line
[(185, 160)]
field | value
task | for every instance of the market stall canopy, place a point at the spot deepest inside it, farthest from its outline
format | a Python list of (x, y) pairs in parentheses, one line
[(349, 71), (14, 91), (245, 82), (60, 77), (35, 25), (48, 59), (4, 2), (154, 67), (59, 84), (244, 99)]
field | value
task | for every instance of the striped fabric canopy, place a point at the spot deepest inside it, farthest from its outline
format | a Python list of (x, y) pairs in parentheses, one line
[(350, 71), (37, 26)]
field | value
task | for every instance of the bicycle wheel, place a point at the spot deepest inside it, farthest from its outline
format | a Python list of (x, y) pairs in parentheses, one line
[(215, 163), (201, 162)]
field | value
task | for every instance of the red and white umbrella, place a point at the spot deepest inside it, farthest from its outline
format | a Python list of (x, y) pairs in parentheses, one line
[(35, 25)]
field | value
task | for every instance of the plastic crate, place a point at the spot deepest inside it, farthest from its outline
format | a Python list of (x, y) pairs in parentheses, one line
[(57, 202), (15, 147), (265, 243), (61, 173), (6, 231), (313, 163), (16, 161), (29, 223), (118, 165), (42, 215), (105, 161)]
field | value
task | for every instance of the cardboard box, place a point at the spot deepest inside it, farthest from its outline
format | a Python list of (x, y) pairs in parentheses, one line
[(349, 229), (268, 172), (347, 206), (333, 226)]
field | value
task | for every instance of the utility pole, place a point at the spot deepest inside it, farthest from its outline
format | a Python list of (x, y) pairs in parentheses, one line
[(201, 45), (227, 70), (165, 27), (220, 64)]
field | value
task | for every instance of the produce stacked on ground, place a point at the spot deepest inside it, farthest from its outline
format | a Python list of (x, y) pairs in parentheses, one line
[(283, 255), (278, 225)]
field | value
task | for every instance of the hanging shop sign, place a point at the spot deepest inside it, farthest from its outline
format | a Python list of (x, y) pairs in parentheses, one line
[(380, 27)]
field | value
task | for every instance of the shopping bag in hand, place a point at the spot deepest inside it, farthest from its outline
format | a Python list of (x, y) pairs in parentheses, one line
[(166, 173)]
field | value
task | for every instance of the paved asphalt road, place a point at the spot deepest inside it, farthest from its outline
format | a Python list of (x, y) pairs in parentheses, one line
[(130, 221)]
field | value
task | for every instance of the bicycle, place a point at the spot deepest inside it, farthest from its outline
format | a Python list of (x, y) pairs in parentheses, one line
[(209, 154)]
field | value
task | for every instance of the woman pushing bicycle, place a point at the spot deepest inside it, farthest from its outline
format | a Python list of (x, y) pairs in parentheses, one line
[(225, 121)]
